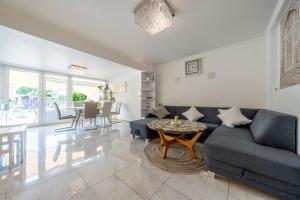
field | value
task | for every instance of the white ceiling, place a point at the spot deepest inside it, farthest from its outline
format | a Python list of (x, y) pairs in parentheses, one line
[(23, 50), (199, 25)]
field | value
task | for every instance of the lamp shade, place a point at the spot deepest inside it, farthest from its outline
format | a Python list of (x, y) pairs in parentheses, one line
[(153, 16)]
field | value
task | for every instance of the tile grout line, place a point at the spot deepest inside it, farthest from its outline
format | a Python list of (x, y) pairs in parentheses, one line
[(128, 186), (113, 174), (77, 172), (118, 156), (160, 185), (178, 191)]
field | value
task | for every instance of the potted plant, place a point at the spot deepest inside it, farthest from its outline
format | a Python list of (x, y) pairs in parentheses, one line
[(79, 98), (107, 93)]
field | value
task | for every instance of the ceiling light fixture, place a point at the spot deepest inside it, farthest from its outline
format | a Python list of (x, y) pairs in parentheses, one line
[(153, 16), (77, 70)]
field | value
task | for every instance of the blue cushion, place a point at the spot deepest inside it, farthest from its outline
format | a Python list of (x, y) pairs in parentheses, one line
[(180, 110), (171, 110), (275, 129), (249, 112), (210, 115)]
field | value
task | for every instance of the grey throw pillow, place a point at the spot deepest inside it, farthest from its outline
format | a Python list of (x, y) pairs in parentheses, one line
[(160, 112)]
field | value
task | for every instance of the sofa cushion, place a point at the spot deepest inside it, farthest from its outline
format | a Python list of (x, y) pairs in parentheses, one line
[(140, 124), (210, 115), (210, 127), (160, 111), (249, 112), (193, 114), (150, 115), (141, 128), (236, 146), (172, 111), (180, 110), (275, 129), (233, 117)]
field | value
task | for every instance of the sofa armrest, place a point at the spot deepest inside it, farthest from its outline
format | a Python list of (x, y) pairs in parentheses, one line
[(275, 129)]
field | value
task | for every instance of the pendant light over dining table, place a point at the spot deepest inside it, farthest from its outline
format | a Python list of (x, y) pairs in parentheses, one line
[(153, 16)]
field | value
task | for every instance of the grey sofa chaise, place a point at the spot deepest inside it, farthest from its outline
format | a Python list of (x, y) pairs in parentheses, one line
[(262, 154)]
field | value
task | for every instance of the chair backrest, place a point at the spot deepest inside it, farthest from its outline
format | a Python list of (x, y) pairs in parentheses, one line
[(116, 107), (90, 110), (57, 110), (106, 110)]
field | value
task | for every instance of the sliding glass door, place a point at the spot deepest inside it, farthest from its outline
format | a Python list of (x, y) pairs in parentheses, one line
[(24, 97), (55, 92), (28, 97)]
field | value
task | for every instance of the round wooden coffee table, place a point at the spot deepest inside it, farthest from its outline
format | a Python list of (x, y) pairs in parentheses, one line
[(170, 133)]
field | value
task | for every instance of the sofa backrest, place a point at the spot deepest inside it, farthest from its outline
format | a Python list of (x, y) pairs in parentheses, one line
[(172, 111), (210, 113), (275, 129)]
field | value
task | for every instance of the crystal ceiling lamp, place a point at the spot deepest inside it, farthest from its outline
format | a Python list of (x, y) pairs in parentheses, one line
[(153, 16)]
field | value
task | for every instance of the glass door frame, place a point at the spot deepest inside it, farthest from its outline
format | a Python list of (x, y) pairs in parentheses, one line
[(44, 85), (42, 91), (7, 70)]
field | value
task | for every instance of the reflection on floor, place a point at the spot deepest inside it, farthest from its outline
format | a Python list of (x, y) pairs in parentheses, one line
[(105, 164)]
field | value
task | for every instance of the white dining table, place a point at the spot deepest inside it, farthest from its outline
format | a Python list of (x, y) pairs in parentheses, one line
[(78, 111)]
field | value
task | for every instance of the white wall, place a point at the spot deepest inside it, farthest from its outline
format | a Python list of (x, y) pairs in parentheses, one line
[(240, 78), (131, 103), (1, 81), (283, 100)]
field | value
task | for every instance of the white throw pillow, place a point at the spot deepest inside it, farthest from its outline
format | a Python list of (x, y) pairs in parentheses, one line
[(193, 114), (233, 117), (160, 112)]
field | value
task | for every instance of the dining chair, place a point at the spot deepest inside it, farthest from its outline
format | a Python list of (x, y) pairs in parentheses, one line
[(64, 117), (116, 110), (105, 113), (90, 112)]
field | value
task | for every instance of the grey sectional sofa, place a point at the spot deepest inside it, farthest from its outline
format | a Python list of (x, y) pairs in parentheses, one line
[(261, 154)]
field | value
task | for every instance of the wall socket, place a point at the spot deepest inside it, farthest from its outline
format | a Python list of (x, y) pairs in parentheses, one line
[(211, 75)]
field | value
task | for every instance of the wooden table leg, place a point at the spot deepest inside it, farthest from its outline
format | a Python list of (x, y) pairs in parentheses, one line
[(166, 141), (190, 144)]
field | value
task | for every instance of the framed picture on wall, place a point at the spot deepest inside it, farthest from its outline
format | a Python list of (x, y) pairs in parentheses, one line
[(290, 46), (193, 67)]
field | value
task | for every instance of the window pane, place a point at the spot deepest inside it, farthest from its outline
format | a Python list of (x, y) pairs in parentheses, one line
[(85, 90), (23, 98), (56, 91)]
